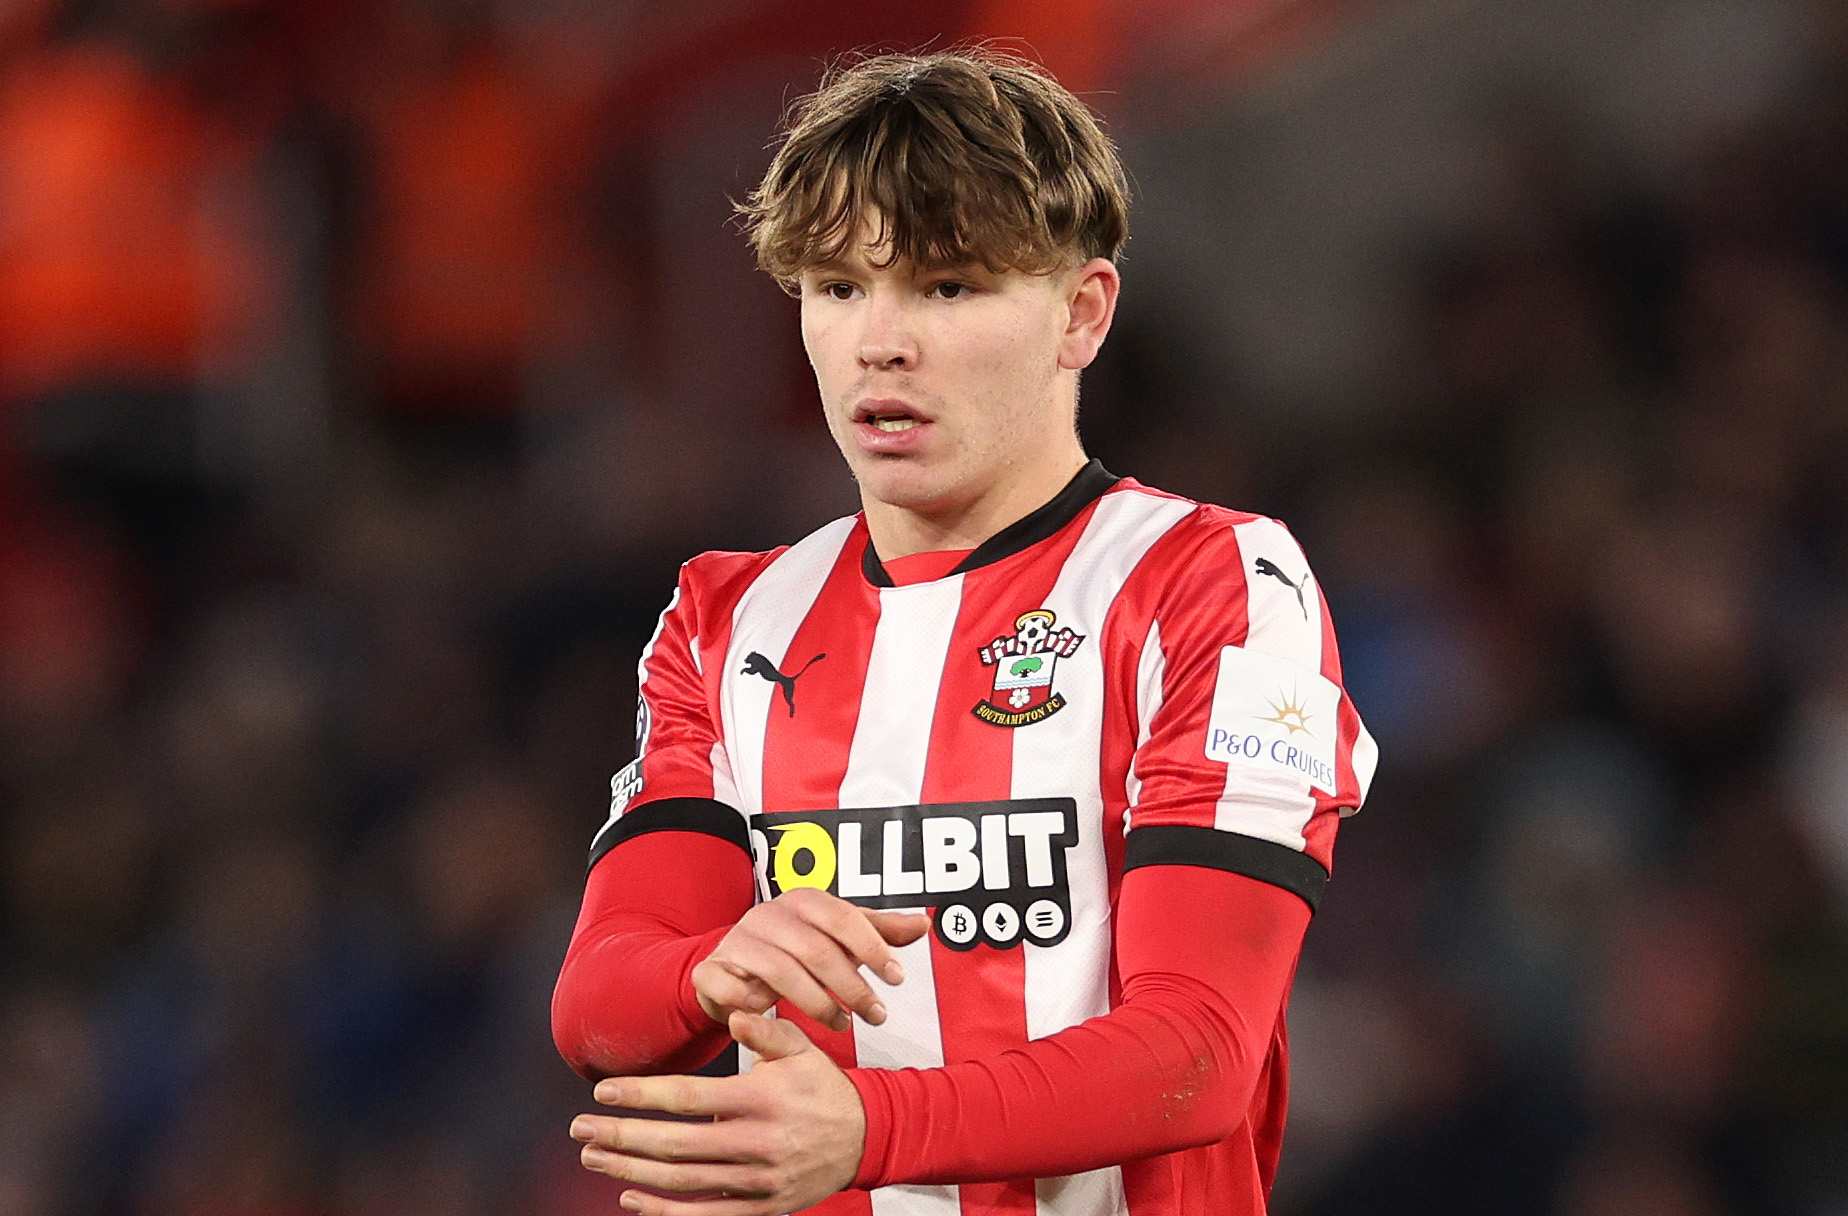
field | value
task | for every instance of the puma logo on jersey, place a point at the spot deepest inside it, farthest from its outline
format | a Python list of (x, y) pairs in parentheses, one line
[(757, 665), (1265, 565), (993, 871)]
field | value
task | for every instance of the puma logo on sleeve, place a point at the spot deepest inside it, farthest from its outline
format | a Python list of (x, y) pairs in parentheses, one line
[(1264, 565)]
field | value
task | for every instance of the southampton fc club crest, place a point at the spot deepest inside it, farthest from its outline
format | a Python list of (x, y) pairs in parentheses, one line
[(1024, 662)]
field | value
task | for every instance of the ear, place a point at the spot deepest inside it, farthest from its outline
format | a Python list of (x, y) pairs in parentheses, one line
[(1090, 305)]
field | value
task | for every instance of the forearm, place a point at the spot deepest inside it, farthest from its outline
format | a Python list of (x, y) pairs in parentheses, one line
[(1207, 958), (654, 906)]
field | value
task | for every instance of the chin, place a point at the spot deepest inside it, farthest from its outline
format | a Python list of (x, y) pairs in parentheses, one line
[(907, 486)]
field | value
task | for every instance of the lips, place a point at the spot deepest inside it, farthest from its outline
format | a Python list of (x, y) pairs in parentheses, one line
[(889, 426), (888, 413)]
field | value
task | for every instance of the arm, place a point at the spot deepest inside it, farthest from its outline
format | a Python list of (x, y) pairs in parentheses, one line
[(1248, 753), (670, 870), (1206, 958), (669, 943), (654, 906), (669, 939), (1174, 1065)]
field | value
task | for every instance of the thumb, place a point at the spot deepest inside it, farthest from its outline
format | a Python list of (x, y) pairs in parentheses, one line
[(769, 1038), (899, 928)]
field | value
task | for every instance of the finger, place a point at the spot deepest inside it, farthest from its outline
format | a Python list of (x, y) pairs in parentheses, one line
[(825, 959), (734, 1181), (724, 987), (769, 1038), (900, 928), (674, 1095), (645, 1204), (792, 976), (853, 928), (724, 1142)]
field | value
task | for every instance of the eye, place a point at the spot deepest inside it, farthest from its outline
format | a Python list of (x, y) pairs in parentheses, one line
[(950, 290), (838, 291)]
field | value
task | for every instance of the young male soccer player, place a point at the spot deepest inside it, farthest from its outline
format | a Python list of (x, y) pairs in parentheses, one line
[(1093, 732)]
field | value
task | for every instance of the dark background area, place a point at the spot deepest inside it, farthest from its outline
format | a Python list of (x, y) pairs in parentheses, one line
[(368, 367)]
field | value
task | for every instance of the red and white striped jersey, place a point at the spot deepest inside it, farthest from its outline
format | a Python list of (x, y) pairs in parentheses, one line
[(1123, 678)]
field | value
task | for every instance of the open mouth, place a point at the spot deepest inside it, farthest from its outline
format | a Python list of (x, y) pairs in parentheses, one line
[(888, 416)]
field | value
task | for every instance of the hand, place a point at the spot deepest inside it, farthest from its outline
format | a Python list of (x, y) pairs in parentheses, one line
[(806, 946), (788, 1133)]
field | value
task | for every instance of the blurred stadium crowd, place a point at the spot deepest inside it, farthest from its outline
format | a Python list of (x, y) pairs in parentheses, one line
[(367, 368)]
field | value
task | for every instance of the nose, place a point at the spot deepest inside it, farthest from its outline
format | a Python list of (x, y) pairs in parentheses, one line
[(887, 340)]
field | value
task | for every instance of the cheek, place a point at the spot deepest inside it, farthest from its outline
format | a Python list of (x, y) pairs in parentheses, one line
[(1014, 354), (820, 341)]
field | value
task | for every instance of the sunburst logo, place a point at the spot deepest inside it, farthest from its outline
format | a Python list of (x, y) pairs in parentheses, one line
[(1289, 713)]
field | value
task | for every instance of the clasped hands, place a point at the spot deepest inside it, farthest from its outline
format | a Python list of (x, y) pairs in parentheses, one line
[(789, 1132)]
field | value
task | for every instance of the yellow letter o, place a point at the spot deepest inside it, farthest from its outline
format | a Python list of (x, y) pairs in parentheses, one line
[(811, 838)]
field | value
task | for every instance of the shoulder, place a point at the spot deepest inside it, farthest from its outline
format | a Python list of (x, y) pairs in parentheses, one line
[(720, 574), (717, 567), (1208, 536)]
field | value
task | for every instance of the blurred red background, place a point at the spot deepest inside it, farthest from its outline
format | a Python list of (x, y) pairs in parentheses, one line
[(368, 366)]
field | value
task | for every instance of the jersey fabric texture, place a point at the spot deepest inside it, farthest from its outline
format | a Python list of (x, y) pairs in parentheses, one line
[(1099, 750)]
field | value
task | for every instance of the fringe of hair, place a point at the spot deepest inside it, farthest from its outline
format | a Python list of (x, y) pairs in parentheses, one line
[(962, 156)]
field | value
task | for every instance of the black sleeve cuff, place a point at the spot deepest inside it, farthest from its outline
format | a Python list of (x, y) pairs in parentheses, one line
[(1264, 860), (674, 815)]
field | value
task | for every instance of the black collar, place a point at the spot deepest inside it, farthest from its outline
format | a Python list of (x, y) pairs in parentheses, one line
[(1080, 492)]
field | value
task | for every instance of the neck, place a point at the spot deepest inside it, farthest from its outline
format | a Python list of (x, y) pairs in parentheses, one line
[(901, 531)]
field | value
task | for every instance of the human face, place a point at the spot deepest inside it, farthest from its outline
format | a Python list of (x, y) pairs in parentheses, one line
[(951, 391)]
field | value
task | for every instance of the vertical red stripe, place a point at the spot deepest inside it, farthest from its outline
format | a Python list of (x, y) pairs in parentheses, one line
[(722, 578), (683, 701), (981, 1003), (1203, 608), (1125, 632)]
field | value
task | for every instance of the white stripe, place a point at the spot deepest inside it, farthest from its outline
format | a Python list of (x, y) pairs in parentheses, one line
[(1151, 670), (912, 1200), (885, 767), (724, 788), (1280, 623), (1097, 1191), (654, 640), (766, 620), (1061, 756), (891, 738), (1272, 803)]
